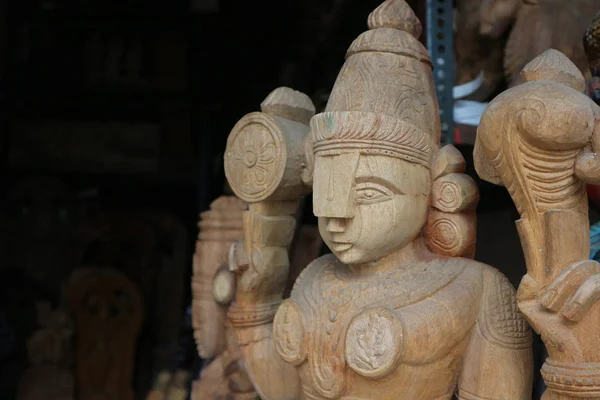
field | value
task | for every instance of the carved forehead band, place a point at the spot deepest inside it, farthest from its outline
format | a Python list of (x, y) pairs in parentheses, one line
[(370, 133)]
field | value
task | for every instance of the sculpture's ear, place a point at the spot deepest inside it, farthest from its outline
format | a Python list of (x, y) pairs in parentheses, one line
[(451, 224)]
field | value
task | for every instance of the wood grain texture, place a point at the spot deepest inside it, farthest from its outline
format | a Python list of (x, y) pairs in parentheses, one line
[(539, 140), (398, 310)]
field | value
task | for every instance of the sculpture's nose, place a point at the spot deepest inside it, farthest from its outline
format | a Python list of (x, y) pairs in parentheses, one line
[(336, 225)]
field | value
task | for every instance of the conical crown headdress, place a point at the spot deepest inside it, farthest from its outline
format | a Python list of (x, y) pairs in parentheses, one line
[(383, 101)]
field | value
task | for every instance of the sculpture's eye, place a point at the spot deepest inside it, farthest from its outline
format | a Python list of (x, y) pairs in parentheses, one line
[(367, 193)]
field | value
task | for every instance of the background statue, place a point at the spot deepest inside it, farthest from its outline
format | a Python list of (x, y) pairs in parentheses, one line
[(538, 25), (219, 227)]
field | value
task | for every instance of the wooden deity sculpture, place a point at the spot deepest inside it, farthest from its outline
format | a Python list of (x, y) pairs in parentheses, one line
[(108, 314), (398, 310), (538, 25), (219, 228), (540, 139)]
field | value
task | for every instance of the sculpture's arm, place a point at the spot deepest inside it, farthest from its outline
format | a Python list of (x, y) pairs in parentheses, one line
[(262, 264), (268, 166), (498, 364)]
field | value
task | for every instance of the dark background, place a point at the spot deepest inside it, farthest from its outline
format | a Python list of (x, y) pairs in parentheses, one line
[(198, 69)]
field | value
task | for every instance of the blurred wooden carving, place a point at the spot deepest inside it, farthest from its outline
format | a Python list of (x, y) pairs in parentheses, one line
[(396, 311), (475, 53), (538, 25), (219, 228), (539, 139), (108, 313), (51, 357), (150, 248)]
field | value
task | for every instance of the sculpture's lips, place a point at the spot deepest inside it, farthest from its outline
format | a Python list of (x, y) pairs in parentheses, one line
[(340, 246)]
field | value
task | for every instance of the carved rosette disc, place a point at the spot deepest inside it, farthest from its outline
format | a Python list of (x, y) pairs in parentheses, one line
[(374, 342), (288, 333), (451, 235), (255, 157), (445, 234), (450, 195)]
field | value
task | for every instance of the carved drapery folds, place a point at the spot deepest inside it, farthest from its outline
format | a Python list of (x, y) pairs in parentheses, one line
[(539, 140)]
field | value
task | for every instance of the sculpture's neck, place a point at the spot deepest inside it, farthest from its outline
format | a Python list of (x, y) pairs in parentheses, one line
[(399, 259)]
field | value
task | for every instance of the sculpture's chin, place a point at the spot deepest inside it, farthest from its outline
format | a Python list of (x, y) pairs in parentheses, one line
[(355, 256), (350, 256)]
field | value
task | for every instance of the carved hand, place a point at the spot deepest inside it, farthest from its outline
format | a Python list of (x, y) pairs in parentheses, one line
[(557, 313), (574, 291)]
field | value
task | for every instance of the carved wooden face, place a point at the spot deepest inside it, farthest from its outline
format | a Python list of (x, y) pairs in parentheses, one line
[(368, 205)]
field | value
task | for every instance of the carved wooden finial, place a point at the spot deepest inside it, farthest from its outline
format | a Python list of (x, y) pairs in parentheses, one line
[(591, 44), (552, 65), (395, 14), (289, 104)]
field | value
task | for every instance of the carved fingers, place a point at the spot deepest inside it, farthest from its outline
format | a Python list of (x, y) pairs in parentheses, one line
[(574, 291), (564, 311)]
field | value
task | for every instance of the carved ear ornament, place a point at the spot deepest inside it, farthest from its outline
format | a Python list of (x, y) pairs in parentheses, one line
[(451, 225)]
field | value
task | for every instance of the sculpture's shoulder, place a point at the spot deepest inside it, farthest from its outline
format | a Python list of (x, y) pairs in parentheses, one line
[(311, 272), (463, 268), (500, 320), (461, 274)]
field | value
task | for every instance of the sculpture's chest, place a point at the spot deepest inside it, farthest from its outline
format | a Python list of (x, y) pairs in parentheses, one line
[(333, 326)]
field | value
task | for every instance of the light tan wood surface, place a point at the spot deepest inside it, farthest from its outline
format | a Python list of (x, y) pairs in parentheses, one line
[(398, 310), (539, 140), (212, 289)]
